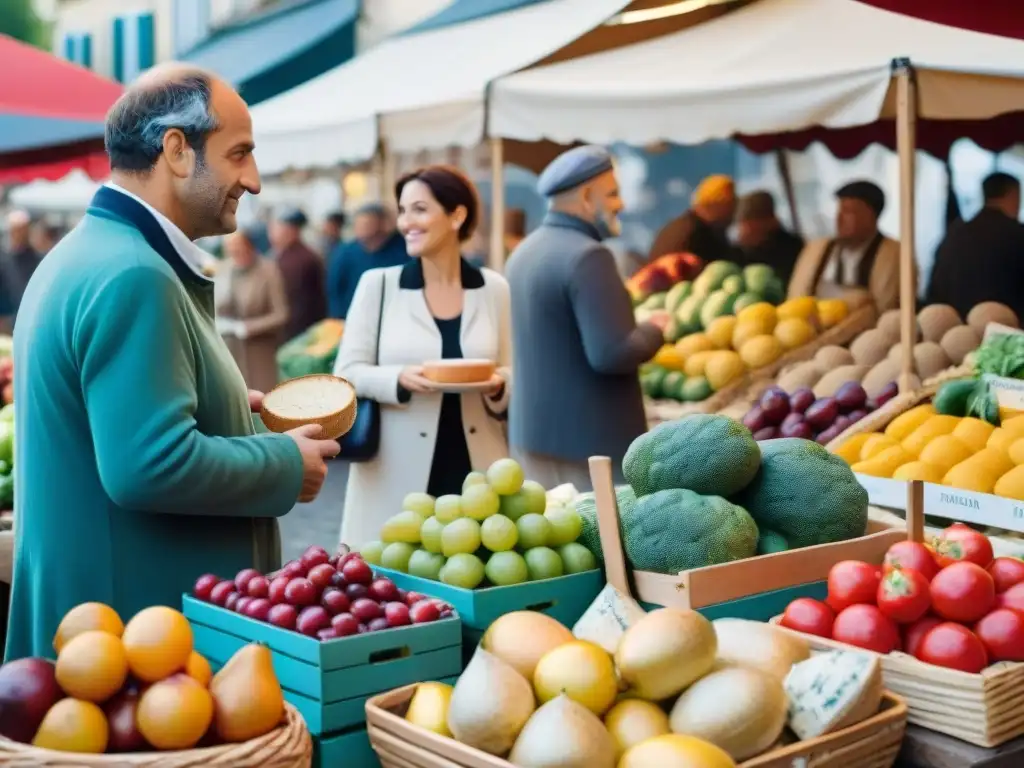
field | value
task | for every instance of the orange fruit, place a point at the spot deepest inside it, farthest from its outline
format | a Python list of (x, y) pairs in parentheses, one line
[(92, 666), (199, 669), (159, 642), (175, 713), (71, 725), (86, 617)]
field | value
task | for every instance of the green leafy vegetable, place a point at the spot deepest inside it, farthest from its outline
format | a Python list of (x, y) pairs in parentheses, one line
[(1001, 355)]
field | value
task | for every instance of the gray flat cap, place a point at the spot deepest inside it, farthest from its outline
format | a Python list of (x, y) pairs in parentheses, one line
[(572, 168)]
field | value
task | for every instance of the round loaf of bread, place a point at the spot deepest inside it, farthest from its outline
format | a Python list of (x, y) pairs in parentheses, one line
[(329, 401), (459, 371)]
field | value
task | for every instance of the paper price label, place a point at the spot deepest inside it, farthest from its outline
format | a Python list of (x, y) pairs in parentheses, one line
[(998, 329), (971, 507)]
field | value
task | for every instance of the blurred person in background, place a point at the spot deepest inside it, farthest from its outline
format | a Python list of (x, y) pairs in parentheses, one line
[(983, 259), (302, 270), (435, 306), (761, 237), (576, 344), (859, 262), (18, 262), (331, 229), (515, 229), (375, 243), (702, 229), (251, 309), (42, 237)]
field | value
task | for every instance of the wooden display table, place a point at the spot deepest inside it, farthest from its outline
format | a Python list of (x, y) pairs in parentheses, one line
[(927, 749)]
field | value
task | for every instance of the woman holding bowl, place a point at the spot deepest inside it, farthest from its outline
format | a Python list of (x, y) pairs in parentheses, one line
[(436, 307)]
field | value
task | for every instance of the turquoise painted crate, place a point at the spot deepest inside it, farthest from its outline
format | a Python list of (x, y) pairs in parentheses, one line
[(760, 607), (329, 682), (564, 599), (348, 749)]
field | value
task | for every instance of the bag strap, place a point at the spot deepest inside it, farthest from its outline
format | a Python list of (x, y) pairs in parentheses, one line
[(380, 314)]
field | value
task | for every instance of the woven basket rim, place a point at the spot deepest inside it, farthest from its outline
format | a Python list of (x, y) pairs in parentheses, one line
[(43, 757)]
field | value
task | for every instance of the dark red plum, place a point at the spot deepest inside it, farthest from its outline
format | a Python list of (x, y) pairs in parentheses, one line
[(851, 396), (822, 413), (767, 433), (799, 429), (855, 416), (774, 407), (830, 434), (790, 420), (801, 400), (754, 419), (889, 391)]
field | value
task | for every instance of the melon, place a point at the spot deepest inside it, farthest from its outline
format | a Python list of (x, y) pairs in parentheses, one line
[(743, 643), (871, 346), (741, 710), (522, 638), (889, 324), (665, 652), (880, 376), (632, 721), (834, 379), (991, 312), (935, 320), (563, 734), (802, 375), (832, 356), (490, 704), (958, 342), (675, 750), (929, 359)]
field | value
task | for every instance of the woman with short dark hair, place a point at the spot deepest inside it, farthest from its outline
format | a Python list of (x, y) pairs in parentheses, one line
[(437, 306)]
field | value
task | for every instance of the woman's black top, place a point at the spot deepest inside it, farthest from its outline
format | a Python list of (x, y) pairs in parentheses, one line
[(451, 454)]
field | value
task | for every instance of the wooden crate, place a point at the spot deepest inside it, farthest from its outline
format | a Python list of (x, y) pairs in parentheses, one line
[(564, 599), (329, 682), (753, 383), (747, 589), (872, 743), (985, 709)]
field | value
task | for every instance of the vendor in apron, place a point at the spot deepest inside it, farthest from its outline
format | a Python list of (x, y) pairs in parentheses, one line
[(859, 264)]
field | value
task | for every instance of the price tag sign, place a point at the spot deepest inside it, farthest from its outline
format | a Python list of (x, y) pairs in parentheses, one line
[(971, 507), (998, 329), (1009, 395)]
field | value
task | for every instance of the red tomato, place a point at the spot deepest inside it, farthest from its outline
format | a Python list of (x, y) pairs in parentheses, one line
[(866, 627), (903, 595), (852, 582), (810, 616), (912, 554), (963, 592), (954, 646), (914, 633), (1007, 572), (1002, 634), (1012, 598), (961, 542)]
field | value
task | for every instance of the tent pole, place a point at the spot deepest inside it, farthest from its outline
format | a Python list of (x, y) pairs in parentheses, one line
[(906, 125), (496, 257), (388, 175), (782, 161)]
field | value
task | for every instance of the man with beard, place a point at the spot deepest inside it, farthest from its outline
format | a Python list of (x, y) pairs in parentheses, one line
[(138, 464), (702, 229), (303, 272), (576, 347), (859, 262)]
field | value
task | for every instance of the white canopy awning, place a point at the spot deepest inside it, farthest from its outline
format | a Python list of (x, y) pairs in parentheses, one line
[(427, 89), (773, 66)]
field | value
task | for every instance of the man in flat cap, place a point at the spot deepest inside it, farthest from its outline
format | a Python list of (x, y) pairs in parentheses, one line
[(761, 237), (302, 270), (983, 259), (859, 261), (702, 229), (575, 343)]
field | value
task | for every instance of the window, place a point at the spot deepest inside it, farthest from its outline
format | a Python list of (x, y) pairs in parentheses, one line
[(77, 47), (133, 45)]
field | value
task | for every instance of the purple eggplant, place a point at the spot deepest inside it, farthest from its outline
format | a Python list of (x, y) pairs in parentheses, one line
[(768, 433), (801, 400), (822, 413), (851, 396)]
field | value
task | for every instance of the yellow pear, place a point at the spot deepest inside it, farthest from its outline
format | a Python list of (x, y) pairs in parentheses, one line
[(429, 707), (247, 697)]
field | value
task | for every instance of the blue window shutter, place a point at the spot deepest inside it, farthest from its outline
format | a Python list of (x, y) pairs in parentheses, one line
[(146, 42), (117, 45), (68, 46), (85, 58)]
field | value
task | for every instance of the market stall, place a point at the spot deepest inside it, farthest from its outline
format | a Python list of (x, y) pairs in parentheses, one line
[(51, 116)]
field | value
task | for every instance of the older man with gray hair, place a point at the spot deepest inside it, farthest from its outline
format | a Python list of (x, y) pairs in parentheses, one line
[(138, 465)]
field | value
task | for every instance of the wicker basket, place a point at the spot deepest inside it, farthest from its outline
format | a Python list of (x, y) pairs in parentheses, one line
[(288, 746), (753, 383), (335, 425), (871, 743)]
